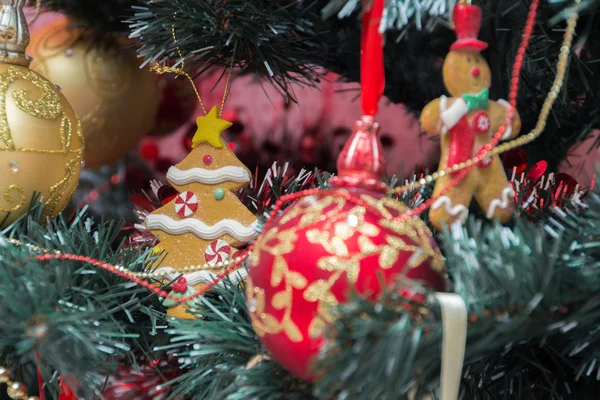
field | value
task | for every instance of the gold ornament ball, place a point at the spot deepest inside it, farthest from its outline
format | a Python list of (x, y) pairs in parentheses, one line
[(115, 100), (16, 391), (4, 375), (41, 144)]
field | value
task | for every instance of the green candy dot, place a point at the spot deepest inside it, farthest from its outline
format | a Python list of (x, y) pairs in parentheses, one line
[(219, 194)]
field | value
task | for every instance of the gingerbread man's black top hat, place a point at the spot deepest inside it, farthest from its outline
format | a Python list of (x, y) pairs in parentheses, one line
[(467, 22)]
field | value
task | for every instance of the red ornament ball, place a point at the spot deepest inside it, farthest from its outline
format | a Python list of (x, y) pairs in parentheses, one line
[(207, 159), (310, 257)]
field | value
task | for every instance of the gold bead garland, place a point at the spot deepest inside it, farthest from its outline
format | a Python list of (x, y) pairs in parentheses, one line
[(561, 68), (15, 390), (136, 274)]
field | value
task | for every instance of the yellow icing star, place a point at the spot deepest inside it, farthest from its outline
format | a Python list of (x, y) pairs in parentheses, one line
[(210, 128)]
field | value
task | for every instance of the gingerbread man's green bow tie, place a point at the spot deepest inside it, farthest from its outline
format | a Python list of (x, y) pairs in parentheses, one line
[(477, 101)]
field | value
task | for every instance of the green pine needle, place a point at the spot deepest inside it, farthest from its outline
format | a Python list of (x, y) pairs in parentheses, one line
[(216, 349), (68, 317)]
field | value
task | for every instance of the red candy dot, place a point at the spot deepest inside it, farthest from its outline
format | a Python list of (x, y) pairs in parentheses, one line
[(207, 159)]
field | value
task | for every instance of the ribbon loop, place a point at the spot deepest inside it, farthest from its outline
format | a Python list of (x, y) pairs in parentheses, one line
[(372, 73), (454, 325)]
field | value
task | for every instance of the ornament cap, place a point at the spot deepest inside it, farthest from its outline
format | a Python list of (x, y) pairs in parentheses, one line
[(14, 32), (361, 164)]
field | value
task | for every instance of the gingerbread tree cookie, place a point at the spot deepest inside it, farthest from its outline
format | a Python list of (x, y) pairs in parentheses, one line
[(466, 122), (206, 223)]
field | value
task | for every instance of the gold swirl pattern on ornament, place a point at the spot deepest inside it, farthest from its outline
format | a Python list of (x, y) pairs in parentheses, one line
[(267, 323), (72, 166), (333, 237), (9, 199), (57, 191), (415, 229), (47, 107)]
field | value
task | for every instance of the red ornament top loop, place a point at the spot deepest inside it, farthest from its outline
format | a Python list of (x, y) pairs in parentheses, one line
[(372, 73), (361, 164)]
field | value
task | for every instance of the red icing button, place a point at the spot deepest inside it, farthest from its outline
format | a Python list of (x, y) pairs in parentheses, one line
[(481, 122), (207, 159)]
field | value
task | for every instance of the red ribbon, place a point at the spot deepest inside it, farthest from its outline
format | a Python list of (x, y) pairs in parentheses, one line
[(40, 377), (372, 74)]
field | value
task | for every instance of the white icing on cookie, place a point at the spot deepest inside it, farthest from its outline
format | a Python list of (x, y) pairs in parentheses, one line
[(443, 107), (207, 176), (453, 211), (452, 115), (508, 131), (200, 229), (195, 278), (502, 203)]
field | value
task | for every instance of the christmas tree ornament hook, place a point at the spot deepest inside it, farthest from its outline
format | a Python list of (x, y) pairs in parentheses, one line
[(180, 71)]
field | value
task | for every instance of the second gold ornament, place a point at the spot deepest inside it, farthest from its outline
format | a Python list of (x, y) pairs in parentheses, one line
[(115, 100)]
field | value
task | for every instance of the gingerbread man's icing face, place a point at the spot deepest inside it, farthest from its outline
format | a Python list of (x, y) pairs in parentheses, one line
[(465, 72)]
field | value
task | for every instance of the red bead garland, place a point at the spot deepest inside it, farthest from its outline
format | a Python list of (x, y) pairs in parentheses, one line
[(127, 275)]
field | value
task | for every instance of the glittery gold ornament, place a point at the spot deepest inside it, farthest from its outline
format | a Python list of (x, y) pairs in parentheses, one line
[(41, 144), (115, 99)]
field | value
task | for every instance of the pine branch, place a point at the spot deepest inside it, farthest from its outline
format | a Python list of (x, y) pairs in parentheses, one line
[(217, 353), (532, 295), (398, 14), (273, 38), (286, 40), (79, 321), (103, 17)]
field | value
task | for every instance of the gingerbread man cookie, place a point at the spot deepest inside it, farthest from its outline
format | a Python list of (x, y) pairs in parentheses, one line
[(466, 122)]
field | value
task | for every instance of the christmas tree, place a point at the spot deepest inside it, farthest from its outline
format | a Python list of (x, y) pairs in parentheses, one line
[(87, 305), (206, 222)]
